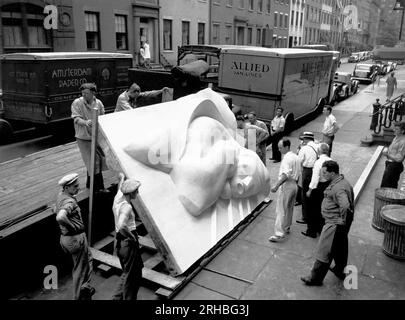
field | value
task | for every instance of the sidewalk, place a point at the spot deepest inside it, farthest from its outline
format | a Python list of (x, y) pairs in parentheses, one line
[(259, 269)]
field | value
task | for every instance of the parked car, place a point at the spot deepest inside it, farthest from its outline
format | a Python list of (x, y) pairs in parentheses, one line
[(392, 65), (383, 67), (365, 72), (354, 59), (343, 87)]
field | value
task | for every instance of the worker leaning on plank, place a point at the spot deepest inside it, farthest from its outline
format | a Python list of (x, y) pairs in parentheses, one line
[(73, 239)]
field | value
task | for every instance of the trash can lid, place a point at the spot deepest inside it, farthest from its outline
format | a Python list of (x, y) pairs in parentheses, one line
[(390, 193), (394, 213)]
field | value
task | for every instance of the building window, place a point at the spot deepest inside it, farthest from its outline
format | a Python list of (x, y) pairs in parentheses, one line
[(185, 33), (281, 20), (228, 35), (121, 33), (275, 19), (268, 6), (230, 3), (292, 17), (302, 18), (251, 5), (241, 4), (92, 30), (297, 18), (201, 33), (260, 5), (258, 37), (286, 21), (250, 36), (23, 27), (215, 33), (167, 34)]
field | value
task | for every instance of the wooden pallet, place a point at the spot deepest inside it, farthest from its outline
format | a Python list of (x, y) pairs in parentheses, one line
[(168, 285)]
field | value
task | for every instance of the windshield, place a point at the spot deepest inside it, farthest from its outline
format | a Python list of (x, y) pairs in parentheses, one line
[(363, 68)]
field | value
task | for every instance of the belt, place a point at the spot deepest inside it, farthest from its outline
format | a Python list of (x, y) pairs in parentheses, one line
[(69, 234), (392, 161), (308, 168)]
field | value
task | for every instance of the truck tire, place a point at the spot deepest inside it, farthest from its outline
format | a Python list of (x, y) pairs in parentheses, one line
[(6, 131), (289, 123)]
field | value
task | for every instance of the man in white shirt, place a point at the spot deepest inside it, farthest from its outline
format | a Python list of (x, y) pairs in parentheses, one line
[(315, 192), (329, 127), (261, 149), (133, 98), (307, 154), (147, 54), (276, 132), (289, 172)]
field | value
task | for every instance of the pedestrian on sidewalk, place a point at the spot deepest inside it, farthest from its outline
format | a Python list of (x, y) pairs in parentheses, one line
[(127, 244), (395, 154), (330, 128), (391, 85), (338, 212), (261, 150), (82, 113), (147, 53), (307, 154), (315, 192), (289, 172), (276, 133), (73, 239), (133, 97)]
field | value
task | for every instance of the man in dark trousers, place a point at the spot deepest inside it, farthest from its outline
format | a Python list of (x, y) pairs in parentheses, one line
[(276, 132), (73, 239), (127, 245), (338, 212), (395, 155)]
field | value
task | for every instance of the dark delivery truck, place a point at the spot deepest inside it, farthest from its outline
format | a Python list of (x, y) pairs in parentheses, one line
[(39, 88)]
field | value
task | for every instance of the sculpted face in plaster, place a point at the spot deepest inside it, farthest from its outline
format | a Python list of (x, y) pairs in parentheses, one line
[(205, 158)]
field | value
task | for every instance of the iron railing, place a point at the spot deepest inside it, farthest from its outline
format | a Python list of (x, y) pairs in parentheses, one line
[(384, 115)]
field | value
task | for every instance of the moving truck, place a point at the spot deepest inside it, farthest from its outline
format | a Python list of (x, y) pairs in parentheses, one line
[(39, 88), (262, 79), (389, 54), (255, 78)]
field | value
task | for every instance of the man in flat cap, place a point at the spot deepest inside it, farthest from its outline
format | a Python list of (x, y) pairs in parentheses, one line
[(73, 239), (307, 154), (82, 109), (126, 244)]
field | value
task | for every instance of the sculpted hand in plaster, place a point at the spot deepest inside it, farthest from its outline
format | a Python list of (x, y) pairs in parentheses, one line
[(202, 157)]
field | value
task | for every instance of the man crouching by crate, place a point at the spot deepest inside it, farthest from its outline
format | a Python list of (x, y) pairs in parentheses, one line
[(126, 244), (73, 239)]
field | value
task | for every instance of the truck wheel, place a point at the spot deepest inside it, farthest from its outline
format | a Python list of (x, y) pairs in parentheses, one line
[(6, 131), (289, 123)]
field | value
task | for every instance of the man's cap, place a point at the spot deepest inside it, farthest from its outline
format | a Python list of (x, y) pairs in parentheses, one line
[(68, 179), (129, 186), (307, 135)]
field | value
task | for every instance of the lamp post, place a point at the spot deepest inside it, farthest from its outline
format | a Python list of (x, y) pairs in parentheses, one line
[(400, 5)]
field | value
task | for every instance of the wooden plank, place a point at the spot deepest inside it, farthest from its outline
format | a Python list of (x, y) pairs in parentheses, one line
[(148, 274), (147, 242), (167, 294), (153, 261), (103, 243), (361, 182)]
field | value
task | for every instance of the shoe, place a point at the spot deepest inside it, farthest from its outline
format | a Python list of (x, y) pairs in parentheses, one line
[(276, 238), (301, 221), (340, 275), (309, 234), (310, 282), (86, 293), (276, 161)]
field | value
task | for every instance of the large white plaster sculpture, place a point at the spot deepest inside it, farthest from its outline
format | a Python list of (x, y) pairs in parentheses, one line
[(198, 181)]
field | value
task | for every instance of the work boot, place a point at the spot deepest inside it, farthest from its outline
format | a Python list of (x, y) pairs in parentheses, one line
[(318, 273), (86, 293), (338, 273)]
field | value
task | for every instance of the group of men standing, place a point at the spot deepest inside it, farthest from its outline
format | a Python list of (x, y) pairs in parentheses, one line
[(73, 238)]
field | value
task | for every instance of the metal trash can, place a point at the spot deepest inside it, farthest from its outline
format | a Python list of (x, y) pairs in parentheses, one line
[(394, 236), (383, 197)]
